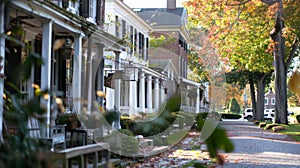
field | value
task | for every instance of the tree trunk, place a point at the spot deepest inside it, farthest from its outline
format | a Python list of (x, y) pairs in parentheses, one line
[(280, 69), (253, 97), (260, 99)]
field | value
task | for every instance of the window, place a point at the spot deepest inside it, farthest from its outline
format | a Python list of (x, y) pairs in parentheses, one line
[(91, 6), (123, 28), (72, 4), (147, 46), (273, 101), (266, 101), (117, 26), (84, 8)]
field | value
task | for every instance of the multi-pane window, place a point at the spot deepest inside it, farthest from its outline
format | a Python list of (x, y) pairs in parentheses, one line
[(91, 7)]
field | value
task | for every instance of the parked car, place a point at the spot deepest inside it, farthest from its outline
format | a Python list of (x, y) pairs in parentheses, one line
[(269, 114), (290, 118), (248, 113)]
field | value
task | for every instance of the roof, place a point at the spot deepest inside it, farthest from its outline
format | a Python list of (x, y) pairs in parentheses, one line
[(163, 16), (159, 65)]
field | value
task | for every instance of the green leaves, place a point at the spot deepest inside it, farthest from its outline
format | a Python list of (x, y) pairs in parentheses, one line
[(214, 136)]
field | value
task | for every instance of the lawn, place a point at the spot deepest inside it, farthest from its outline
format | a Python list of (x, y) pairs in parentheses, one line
[(293, 130)]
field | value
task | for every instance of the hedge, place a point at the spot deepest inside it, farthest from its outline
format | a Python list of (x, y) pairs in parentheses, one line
[(298, 118), (230, 116)]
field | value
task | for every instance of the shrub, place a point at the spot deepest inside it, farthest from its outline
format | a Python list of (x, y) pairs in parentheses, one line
[(127, 123), (126, 132), (298, 118), (262, 124), (230, 116), (270, 126), (278, 128), (111, 116), (234, 106)]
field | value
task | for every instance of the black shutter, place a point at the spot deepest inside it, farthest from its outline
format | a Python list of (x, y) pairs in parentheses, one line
[(100, 16), (84, 8), (147, 48), (65, 3), (98, 13)]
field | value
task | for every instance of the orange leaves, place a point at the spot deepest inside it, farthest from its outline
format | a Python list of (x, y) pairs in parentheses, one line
[(294, 83)]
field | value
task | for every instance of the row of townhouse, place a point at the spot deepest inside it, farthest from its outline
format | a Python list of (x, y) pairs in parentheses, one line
[(99, 45)]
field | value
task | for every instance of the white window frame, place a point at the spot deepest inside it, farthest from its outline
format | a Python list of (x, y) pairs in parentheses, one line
[(272, 101), (266, 101), (72, 6), (91, 11)]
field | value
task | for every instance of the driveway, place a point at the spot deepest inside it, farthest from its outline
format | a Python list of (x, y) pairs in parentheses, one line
[(258, 148)]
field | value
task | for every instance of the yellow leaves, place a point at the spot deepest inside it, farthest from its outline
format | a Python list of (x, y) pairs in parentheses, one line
[(101, 94), (294, 83)]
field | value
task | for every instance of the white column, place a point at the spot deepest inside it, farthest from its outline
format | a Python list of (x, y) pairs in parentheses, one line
[(46, 69), (162, 95), (117, 83), (149, 92), (2, 54), (132, 98), (89, 75), (142, 91), (125, 93), (198, 100), (156, 94), (77, 81)]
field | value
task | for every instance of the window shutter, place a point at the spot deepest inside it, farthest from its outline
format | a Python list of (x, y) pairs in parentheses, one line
[(100, 16), (65, 3), (84, 8)]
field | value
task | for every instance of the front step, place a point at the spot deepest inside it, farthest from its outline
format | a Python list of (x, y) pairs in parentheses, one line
[(145, 145)]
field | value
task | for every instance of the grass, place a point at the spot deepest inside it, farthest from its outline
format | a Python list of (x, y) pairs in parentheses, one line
[(292, 130)]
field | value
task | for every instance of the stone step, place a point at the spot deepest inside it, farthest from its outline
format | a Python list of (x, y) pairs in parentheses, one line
[(145, 145)]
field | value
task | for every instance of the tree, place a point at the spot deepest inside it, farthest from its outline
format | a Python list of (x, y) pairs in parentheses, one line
[(240, 32), (281, 61), (234, 106), (240, 36)]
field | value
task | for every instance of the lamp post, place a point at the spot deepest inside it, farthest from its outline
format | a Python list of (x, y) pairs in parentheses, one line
[(67, 53), (67, 49)]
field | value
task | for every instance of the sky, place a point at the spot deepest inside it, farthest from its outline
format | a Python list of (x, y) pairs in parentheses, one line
[(150, 3)]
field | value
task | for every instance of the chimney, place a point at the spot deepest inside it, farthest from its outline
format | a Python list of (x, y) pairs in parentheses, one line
[(171, 4)]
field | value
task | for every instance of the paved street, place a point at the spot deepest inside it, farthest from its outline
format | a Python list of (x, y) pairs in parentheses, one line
[(255, 147)]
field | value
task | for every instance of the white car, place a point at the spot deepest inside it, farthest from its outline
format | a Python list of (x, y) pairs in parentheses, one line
[(269, 114), (248, 113)]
